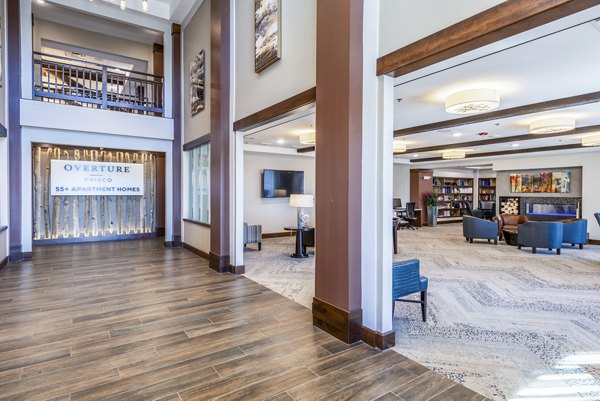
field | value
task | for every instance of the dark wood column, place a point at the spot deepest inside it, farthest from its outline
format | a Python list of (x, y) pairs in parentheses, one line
[(220, 122), (421, 183), (337, 302), (13, 79), (177, 140)]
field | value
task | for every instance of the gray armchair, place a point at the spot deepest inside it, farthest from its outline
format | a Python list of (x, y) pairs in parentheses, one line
[(253, 235), (476, 228), (540, 234)]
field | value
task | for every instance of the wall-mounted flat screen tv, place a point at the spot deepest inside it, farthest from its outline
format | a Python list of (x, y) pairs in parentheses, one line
[(282, 183)]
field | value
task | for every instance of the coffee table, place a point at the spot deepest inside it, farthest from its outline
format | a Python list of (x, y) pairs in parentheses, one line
[(510, 236)]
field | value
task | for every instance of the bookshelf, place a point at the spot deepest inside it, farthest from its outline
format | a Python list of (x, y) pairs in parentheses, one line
[(452, 194), (487, 190)]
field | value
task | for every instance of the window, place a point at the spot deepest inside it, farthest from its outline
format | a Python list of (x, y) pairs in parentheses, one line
[(199, 184)]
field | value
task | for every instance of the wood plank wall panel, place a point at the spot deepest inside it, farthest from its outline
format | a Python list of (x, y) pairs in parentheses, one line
[(78, 217)]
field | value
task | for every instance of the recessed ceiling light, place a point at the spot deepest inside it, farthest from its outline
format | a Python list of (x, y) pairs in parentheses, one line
[(281, 141), (416, 155), (515, 145), (456, 134)]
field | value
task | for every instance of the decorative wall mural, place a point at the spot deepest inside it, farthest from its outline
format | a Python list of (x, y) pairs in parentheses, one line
[(267, 29), (197, 83), (547, 181)]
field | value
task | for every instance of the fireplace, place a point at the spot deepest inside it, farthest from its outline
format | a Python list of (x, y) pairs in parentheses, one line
[(550, 208), (559, 210)]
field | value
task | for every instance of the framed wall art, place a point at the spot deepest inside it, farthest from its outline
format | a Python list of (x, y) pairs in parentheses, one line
[(197, 83), (267, 33), (544, 182)]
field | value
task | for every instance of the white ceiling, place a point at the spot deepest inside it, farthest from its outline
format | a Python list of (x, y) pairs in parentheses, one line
[(283, 133)]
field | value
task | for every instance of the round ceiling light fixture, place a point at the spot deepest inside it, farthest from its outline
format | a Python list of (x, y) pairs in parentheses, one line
[(453, 154), (472, 101), (552, 125), (592, 140), (308, 138), (399, 146)]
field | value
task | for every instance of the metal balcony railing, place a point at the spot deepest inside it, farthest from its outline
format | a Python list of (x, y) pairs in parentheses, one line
[(70, 81)]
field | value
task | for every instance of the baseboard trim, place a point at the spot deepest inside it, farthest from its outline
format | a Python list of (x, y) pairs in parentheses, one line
[(279, 234), (378, 340), (120, 237), (237, 269), (594, 241), (196, 251), (3, 263), (219, 263), (344, 325), (160, 231)]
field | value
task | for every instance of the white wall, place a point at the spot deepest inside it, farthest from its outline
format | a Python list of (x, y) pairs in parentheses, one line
[(196, 37), (406, 21), (43, 29), (402, 182), (275, 213), (197, 236), (590, 163), (294, 73)]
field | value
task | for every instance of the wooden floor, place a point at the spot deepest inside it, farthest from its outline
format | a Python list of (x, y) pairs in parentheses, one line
[(133, 320)]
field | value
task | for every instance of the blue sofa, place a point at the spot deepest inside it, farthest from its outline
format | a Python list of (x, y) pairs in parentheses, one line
[(541, 234), (575, 232), (474, 227), (406, 280)]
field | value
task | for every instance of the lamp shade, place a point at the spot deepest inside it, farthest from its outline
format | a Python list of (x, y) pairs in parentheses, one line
[(472, 101), (309, 138), (592, 140), (301, 200), (552, 125), (454, 154)]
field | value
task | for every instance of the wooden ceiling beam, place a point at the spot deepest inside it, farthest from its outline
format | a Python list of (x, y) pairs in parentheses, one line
[(507, 19), (493, 141), (505, 152), (549, 105)]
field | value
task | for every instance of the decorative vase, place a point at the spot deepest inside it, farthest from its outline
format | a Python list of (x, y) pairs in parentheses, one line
[(432, 215)]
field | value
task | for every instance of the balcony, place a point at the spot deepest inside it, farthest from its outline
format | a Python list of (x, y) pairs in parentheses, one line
[(74, 82)]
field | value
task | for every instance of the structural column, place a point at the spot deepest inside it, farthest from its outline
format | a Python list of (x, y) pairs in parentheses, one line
[(177, 140), (14, 129), (220, 129), (337, 301)]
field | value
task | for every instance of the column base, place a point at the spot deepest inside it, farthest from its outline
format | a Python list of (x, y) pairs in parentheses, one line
[(219, 263), (344, 325)]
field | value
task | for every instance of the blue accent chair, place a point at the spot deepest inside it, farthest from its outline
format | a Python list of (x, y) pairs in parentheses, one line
[(541, 234), (575, 232), (406, 280), (474, 227), (597, 215)]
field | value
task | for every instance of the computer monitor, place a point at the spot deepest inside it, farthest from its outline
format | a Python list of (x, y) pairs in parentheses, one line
[(397, 202)]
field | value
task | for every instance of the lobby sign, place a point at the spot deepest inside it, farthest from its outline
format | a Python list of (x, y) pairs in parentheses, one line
[(81, 178)]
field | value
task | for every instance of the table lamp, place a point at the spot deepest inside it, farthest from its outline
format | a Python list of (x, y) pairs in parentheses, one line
[(301, 201)]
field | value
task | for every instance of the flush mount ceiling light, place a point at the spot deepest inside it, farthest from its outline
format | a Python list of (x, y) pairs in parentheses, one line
[(145, 5), (472, 101), (399, 146), (123, 5), (592, 140), (308, 138), (552, 125), (454, 154)]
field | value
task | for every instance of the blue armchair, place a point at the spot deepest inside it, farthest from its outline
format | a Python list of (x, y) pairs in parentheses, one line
[(406, 280), (575, 232), (597, 215), (474, 227), (541, 234)]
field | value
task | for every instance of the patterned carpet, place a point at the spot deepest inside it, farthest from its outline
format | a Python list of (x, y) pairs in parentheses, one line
[(506, 323)]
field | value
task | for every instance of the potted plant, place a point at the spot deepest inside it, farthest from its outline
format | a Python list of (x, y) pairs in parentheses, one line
[(431, 200)]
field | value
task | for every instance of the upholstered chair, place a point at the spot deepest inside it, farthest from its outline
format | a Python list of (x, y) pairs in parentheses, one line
[(575, 232), (541, 234), (253, 235), (474, 228), (407, 280), (473, 212), (510, 222), (597, 215)]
